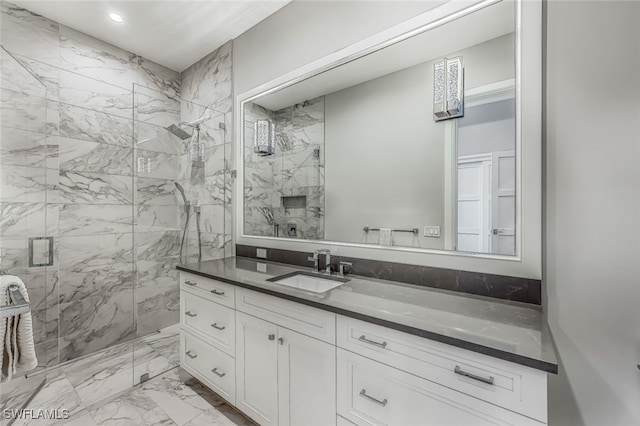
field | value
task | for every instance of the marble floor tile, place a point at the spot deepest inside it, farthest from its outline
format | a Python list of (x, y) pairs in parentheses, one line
[(166, 342), (83, 418), (133, 408), (210, 418), (148, 361), (179, 401), (57, 394)]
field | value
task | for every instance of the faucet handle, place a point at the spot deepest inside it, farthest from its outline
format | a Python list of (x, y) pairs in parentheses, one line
[(343, 266)]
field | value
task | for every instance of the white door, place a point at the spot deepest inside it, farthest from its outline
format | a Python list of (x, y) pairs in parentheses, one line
[(306, 380), (473, 203), (503, 208), (257, 369)]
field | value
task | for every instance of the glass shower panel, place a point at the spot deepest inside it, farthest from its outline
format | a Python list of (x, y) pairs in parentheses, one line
[(181, 167), (26, 186)]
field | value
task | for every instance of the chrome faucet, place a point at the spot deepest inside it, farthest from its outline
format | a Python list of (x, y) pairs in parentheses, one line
[(316, 261), (327, 260)]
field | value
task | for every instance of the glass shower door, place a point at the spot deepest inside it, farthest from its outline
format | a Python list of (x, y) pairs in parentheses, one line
[(25, 190), (181, 170)]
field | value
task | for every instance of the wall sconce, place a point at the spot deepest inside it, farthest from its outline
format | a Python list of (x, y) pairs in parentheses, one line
[(448, 89), (264, 137)]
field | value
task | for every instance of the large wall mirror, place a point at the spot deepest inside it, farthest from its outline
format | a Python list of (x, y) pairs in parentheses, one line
[(360, 153)]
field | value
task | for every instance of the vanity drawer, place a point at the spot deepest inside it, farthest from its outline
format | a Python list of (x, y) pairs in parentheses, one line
[(513, 387), (341, 421), (210, 365), (217, 291), (294, 316), (371, 393), (215, 322)]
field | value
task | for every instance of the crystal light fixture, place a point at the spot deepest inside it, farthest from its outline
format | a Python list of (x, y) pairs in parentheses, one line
[(448, 89), (264, 137)]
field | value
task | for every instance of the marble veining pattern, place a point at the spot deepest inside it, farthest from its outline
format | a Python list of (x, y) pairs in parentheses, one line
[(84, 156), (97, 389), (297, 169), (84, 110)]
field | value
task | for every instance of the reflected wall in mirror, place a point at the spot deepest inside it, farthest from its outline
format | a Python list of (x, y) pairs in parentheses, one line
[(360, 159)]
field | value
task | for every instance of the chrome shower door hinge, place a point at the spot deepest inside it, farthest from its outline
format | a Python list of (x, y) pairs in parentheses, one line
[(222, 126), (234, 174)]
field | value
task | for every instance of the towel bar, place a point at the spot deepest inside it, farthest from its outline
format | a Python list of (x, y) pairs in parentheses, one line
[(19, 305), (413, 231)]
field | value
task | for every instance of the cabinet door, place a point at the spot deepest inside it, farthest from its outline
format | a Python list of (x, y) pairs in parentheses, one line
[(306, 380), (257, 369)]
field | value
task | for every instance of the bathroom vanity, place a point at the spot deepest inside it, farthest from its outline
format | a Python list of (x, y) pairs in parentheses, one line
[(418, 146), (367, 352)]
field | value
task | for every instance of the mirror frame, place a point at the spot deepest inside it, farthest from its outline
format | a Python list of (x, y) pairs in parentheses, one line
[(527, 262)]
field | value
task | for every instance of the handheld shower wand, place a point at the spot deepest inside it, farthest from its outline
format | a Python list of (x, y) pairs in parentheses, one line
[(187, 206)]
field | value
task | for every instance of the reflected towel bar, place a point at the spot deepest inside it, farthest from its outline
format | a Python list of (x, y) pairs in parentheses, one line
[(19, 305), (413, 231)]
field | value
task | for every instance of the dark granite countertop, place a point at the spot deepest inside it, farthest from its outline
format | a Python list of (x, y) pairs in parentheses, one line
[(512, 331)]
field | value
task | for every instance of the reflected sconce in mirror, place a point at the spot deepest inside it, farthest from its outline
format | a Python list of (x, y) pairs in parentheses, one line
[(264, 137), (448, 89)]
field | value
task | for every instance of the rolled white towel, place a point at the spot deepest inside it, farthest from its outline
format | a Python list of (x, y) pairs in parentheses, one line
[(16, 333)]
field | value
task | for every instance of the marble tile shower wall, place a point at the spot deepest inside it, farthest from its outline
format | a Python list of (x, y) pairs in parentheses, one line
[(297, 169), (206, 91), (87, 303)]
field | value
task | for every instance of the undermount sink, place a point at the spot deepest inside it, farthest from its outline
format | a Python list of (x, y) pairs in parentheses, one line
[(308, 281)]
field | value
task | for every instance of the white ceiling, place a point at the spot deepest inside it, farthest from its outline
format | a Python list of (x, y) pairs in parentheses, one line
[(173, 33)]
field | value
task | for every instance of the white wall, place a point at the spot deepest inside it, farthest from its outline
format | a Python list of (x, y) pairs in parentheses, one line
[(304, 31), (592, 233), (384, 159), (385, 154)]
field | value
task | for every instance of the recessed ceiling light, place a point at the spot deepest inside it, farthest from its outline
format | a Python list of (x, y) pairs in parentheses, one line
[(116, 18)]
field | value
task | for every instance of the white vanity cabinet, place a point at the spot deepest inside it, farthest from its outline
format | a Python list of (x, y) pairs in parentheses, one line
[(389, 377), (288, 364), (274, 359), (284, 378)]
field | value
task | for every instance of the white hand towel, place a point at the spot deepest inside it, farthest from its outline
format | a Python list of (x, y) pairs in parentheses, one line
[(384, 237), (16, 333)]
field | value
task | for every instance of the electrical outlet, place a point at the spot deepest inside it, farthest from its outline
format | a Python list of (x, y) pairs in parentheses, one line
[(261, 253), (432, 231)]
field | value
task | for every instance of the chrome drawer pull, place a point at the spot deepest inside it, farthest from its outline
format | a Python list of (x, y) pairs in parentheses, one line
[(461, 372), (371, 342), (218, 293), (187, 282), (217, 327), (363, 393), (190, 355), (215, 371), (189, 314)]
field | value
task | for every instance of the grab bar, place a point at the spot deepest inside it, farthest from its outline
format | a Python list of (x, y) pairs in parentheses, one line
[(18, 306), (413, 231)]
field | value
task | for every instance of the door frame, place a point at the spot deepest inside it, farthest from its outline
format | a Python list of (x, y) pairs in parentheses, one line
[(493, 92)]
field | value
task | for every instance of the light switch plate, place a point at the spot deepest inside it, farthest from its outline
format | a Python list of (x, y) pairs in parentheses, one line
[(261, 253)]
